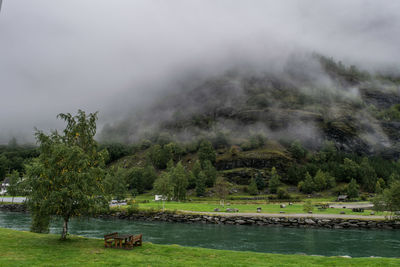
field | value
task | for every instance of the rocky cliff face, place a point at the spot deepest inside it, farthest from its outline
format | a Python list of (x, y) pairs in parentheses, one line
[(334, 102), (380, 98)]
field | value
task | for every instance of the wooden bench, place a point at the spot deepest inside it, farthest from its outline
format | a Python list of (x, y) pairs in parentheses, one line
[(133, 241), (108, 239)]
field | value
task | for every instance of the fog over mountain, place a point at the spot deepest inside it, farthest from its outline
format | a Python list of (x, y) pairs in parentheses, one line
[(117, 57)]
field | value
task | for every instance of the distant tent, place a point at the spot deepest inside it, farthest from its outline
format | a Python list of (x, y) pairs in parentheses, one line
[(342, 197)]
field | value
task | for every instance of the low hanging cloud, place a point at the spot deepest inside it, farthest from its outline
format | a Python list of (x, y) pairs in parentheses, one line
[(113, 56)]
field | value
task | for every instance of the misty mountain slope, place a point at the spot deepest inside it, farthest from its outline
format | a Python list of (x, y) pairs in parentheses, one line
[(311, 99)]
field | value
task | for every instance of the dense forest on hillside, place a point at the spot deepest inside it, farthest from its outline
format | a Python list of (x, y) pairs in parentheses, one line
[(315, 125), (311, 100)]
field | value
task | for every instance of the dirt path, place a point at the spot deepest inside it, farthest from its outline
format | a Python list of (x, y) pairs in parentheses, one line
[(293, 215)]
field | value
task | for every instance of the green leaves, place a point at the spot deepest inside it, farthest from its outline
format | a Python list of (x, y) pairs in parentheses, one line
[(66, 179), (179, 179), (275, 181), (352, 189), (389, 200), (206, 152)]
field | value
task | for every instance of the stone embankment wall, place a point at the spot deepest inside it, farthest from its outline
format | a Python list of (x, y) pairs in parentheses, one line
[(13, 207), (241, 220), (259, 220)]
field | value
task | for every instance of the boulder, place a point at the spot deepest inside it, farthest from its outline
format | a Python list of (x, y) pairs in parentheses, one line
[(309, 221)]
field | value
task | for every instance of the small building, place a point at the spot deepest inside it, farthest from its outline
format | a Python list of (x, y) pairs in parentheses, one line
[(159, 197), (4, 185), (342, 198)]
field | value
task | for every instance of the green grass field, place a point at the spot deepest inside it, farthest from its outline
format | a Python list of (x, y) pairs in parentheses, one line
[(246, 206), (19, 248)]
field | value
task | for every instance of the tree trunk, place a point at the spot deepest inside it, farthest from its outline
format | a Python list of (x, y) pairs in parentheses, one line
[(12, 200), (65, 229)]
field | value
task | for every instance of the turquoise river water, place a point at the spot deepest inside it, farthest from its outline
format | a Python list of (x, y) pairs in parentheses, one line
[(328, 242)]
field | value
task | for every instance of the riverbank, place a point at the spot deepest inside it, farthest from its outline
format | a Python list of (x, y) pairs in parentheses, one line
[(258, 220), (284, 220), (19, 248), (249, 206), (13, 207)]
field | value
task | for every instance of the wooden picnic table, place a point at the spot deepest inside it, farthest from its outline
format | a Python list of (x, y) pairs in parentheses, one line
[(119, 238)]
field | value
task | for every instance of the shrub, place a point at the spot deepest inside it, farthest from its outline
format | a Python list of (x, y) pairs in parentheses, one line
[(391, 114), (145, 144), (364, 197), (245, 146), (340, 190), (252, 188), (234, 151), (352, 189), (307, 206), (283, 194), (132, 207), (255, 141)]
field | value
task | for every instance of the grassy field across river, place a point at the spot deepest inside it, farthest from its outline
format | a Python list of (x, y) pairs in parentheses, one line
[(19, 248), (208, 205)]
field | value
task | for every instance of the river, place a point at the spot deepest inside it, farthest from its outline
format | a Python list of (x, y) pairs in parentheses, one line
[(327, 242)]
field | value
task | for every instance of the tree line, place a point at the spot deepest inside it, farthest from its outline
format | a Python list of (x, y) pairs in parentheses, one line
[(69, 177)]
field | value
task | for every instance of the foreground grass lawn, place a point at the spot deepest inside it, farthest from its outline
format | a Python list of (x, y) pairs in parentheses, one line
[(28, 249)]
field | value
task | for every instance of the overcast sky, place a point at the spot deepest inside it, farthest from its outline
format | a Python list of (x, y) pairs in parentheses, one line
[(64, 55)]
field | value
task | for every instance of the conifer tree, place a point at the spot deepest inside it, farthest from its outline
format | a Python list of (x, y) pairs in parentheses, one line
[(307, 186), (275, 181), (210, 173), (253, 190), (201, 184)]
